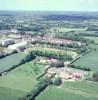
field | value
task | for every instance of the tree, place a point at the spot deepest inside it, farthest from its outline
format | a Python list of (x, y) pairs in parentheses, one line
[(29, 56), (95, 76), (57, 81), (57, 64)]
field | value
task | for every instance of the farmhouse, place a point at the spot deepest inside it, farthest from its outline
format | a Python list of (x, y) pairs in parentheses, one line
[(67, 74)]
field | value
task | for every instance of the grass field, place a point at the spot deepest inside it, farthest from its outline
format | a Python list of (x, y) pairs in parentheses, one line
[(71, 91), (89, 60), (95, 39), (19, 81), (65, 29), (10, 60)]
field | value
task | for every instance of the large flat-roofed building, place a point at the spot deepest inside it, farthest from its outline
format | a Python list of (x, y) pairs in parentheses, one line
[(6, 42), (18, 46)]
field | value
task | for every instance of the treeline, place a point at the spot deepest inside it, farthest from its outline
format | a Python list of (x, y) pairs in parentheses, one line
[(92, 29), (7, 54), (55, 55), (73, 37), (78, 67), (93, 77)]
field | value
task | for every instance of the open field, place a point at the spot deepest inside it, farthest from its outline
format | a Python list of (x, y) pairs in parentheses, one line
[(65, 29), (95, 39), (69, 92), (10, 94), (19, 81), (84, 86), (89, 60), (10, 60)]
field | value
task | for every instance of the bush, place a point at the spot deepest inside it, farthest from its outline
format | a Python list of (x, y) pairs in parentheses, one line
[(57, 81), (95, 76), (54, 55), (78, 67), (57, 64)]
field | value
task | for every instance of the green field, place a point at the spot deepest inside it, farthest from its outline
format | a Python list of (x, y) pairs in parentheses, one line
[(95, 39), (61, 29), (71, 91), (10, 60), (89, 60), (19, 81)]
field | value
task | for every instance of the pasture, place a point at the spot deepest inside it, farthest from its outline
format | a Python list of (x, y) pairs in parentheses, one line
[(19, 81), (61, 29), (10, 60), (71, 91), (89, 60), (95, 39)]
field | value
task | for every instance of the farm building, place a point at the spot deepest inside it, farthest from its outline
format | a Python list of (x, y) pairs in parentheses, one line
[(18, 46), (7, 42)]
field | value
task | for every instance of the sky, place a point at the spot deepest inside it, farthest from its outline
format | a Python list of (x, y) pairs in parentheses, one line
[(50, 5)]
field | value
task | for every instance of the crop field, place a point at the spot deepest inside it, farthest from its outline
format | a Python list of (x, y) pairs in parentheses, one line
[(89, 60), (95, 39), (19, 81), (10, 60), (71, 91)]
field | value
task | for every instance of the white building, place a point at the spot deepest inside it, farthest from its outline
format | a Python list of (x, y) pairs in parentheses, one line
[(18, 46), (14, 30), (7, 42), (15, 36)]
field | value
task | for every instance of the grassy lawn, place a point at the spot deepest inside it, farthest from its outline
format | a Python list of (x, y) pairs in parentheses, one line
[(71, 91), (19, 81), (11, 60), (89, 60)]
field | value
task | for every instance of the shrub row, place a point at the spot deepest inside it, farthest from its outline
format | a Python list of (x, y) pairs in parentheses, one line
[(7, 54), (54, 55), (78, 67)]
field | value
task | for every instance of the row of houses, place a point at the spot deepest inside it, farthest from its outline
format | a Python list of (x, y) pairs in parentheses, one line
[(55, 41)]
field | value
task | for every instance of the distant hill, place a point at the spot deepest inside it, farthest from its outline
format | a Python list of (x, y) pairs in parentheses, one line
[(69, 17), (53, 15)]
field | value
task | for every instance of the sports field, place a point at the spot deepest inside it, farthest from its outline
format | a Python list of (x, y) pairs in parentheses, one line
[(89, 60), (71, 91), (19, 81)]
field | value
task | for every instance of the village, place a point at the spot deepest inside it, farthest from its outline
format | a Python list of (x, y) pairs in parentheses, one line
[(45, 59)]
